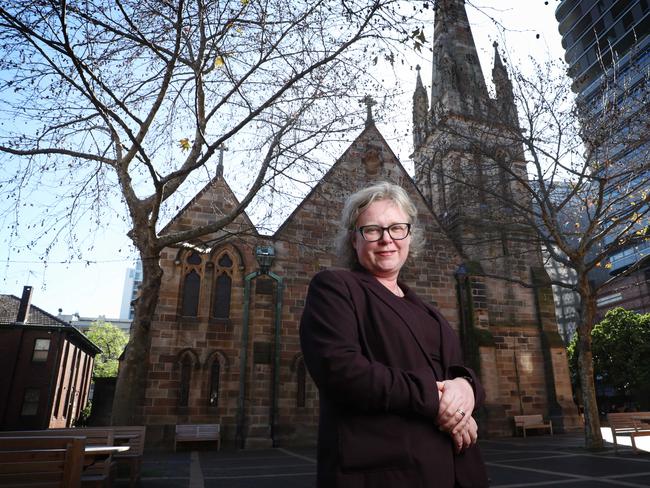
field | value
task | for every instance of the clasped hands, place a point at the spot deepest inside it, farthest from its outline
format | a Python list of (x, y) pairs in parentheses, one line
[(456, 404)]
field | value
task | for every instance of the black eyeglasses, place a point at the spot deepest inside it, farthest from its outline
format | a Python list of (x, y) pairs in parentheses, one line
[(373, 233)]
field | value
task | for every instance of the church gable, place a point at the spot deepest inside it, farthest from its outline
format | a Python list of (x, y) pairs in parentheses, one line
[(367, 159), (214, 201), (306, 239)]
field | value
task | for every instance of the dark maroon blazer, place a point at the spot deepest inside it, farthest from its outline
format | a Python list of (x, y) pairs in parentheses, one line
[(378, 398)]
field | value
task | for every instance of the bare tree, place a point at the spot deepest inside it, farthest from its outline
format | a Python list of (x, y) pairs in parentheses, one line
[(572, 177), (133, 99)]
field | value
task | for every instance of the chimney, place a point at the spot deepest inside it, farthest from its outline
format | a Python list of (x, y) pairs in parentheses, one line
[(25, 301)]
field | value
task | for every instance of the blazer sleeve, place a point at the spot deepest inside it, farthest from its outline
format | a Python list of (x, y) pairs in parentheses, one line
[(329, 337), (458, 371), (454, 364)]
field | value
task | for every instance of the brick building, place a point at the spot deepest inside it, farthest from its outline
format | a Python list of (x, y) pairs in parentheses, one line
[(225, 345), (47, 367), (632, 291)]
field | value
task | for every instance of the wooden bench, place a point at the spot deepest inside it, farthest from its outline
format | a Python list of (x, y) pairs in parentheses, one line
[(100, 472), (632, 424), (46, 462), (97, 471), (197, 432), (525, 422), (132, 436)]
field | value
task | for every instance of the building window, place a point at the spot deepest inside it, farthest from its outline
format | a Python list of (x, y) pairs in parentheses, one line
[(222, 290), (223, 287), (191, 289), (225, 261), (301, 387), (504, 243), (194, 258), (61, 381), (186, 376), (41, 348), (442, 191), (30, 402), (609, 299), (191, 285), (213, 399), (69, 398)]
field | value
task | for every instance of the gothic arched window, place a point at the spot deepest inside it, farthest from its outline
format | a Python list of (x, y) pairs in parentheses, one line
[(185, 378), (222, 290), (442, 190), (191, 285), (225, 261), (223, 286), (215, 370), (190, 299), (194, 258)]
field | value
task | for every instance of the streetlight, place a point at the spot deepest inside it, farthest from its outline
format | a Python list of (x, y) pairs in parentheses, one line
[(265, 255)]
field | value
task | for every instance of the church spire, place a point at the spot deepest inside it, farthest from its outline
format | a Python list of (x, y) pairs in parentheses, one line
[(498, 64), (505, 99), (419, 87), (457, 83), (420, 111)]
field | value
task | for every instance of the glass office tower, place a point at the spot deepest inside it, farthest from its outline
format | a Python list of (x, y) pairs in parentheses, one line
[(607, 48), (599, 36), (596, 33)]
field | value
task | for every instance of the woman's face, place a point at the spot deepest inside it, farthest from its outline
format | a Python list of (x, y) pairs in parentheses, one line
[(385, 257)]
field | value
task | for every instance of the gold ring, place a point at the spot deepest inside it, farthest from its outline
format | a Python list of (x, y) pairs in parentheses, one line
[(462, 414)]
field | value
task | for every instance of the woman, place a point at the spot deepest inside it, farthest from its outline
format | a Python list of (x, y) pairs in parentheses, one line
[(396, 402)]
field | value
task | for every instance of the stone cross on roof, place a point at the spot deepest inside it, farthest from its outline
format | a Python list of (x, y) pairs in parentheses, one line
[(369, 102), (222, 147)]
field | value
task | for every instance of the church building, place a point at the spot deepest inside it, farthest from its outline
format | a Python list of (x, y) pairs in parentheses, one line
[(224, 341)]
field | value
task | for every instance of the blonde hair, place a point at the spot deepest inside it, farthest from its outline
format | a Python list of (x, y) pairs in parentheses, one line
[(362, 199)]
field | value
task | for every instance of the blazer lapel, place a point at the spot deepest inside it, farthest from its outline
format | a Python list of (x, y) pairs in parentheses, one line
[(402, 310)]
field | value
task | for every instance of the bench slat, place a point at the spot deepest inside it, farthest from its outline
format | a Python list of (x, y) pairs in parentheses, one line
[(625, 424), (198, 432), (41, 461), (534, 421), (94, 436)]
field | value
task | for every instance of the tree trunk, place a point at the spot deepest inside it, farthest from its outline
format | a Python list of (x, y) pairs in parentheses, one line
[(132, 378), (593, 436)]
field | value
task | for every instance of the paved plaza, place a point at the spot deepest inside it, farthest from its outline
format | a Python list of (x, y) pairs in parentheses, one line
[(557, 461)]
